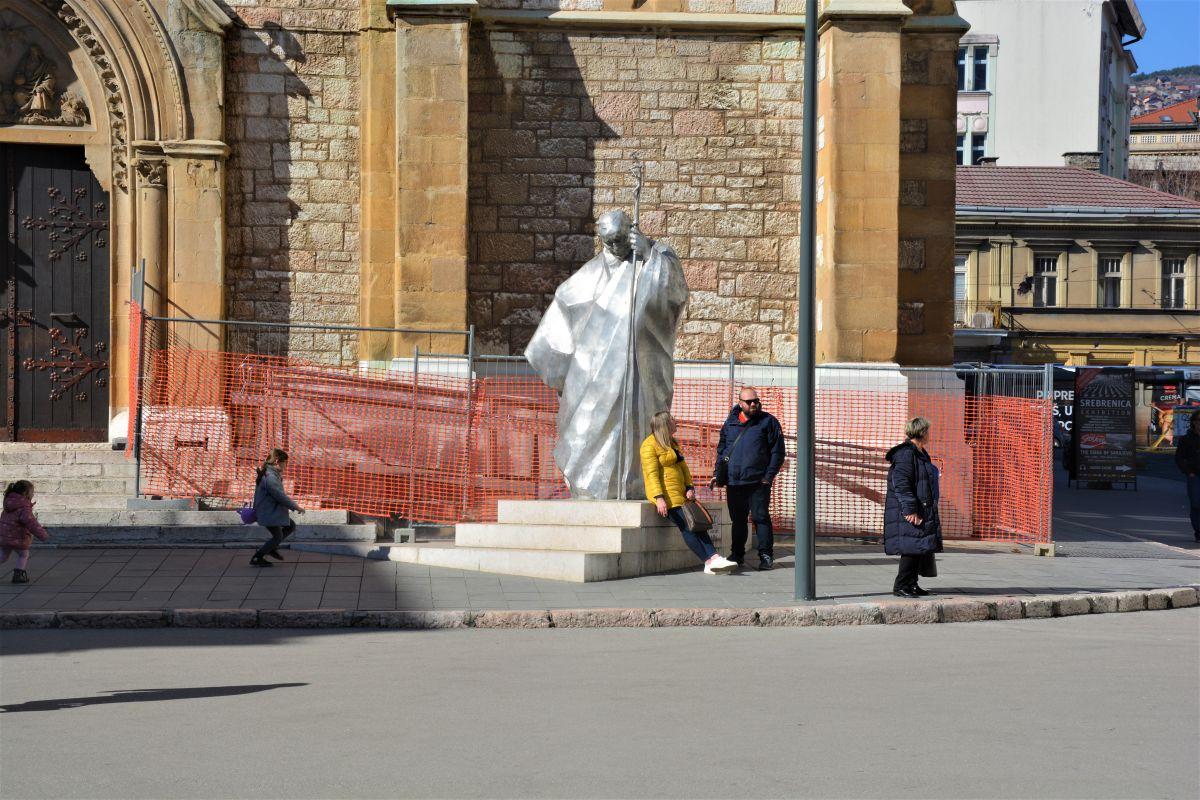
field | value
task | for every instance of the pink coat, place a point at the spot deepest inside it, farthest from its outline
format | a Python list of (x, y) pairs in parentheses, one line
[(18, 525)]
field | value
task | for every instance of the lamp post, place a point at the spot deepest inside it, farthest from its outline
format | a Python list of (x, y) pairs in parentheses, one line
[(806, 487)]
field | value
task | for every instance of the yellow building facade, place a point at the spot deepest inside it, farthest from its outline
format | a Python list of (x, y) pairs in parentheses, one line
[(1076, 269)]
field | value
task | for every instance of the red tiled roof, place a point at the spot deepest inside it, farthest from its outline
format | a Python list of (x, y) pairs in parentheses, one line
[(1045, 188), (1178, 113)]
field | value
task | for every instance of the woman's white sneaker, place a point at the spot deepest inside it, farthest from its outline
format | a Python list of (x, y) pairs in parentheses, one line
[(719, 565)]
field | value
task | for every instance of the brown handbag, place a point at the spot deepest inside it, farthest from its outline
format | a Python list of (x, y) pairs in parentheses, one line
[(696, 517)]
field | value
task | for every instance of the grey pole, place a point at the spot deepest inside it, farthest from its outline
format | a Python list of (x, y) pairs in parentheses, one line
[(806, 487)]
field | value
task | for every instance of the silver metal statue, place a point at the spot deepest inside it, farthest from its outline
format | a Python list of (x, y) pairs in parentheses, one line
[(606, 345)]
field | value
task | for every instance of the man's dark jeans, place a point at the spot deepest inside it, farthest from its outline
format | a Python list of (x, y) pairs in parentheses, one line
[(1193, 488), (752, 500)]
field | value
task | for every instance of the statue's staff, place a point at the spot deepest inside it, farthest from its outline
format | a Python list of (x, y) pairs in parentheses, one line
[(630, 360)]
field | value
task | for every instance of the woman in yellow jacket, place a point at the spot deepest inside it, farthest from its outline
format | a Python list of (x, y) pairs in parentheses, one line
[(669, 484)]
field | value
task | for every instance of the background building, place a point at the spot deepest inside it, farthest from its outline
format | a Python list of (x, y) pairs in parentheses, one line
[(1063, 265), (1165, 149), (1038, 79)]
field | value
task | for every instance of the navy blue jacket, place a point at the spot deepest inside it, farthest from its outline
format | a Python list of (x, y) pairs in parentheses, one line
[(271, 502), (912, 489), (758, 455)]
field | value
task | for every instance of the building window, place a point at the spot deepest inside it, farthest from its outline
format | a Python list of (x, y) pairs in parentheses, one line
[(960, 288), (1110, 283), (1045, 282), (973, 68), (961, 144), (979, 72), (1172, 283), (978, 141)]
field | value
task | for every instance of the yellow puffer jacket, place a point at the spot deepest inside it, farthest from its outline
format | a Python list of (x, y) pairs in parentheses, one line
[(664, 473)]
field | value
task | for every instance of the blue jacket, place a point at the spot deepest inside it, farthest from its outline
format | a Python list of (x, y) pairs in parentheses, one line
[(271, 502), (759, 453), (912, 489)]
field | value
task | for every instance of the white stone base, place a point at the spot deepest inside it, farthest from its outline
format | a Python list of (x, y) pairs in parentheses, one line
[(565, 540)]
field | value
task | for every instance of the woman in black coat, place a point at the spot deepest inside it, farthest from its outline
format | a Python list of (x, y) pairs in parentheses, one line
[(911, 525)]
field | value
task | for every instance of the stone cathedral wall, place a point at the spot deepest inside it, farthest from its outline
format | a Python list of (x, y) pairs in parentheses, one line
[(292, 125), (556, 120)]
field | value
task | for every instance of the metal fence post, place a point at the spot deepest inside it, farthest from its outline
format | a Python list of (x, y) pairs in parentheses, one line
[(732, 377), (468, 477), (141, 402), (412, 422), (1048, 393)]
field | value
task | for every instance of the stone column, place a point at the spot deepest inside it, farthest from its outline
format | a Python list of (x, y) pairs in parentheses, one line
[(377, 250), (928, 100), (151, 206), (858, 180), (431, 187), (196, 261)]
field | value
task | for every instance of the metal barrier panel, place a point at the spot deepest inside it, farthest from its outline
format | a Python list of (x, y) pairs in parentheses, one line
[(441, 438)]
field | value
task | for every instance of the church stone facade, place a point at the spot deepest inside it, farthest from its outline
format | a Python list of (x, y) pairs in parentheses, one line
[(434, 165)]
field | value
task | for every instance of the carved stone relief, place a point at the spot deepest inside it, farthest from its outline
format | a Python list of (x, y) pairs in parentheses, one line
[(31, 94)]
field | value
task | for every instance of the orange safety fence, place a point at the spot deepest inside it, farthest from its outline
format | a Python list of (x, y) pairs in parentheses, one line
[(440, 447)]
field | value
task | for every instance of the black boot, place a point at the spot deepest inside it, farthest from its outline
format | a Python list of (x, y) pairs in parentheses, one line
[(20, 576)]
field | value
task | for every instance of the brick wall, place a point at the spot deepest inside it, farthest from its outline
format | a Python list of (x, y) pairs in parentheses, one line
[(292, 99), (555, 120)]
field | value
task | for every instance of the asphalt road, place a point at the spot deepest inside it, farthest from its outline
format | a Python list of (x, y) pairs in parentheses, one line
[(1084, 707)]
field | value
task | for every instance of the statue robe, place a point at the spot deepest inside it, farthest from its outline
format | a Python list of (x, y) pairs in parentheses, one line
[(580, 350)]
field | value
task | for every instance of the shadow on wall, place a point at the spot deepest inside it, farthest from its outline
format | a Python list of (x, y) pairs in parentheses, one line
[(533, 134), (261, 83)]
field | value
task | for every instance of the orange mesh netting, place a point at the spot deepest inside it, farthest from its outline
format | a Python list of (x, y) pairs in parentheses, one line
[(433, 447)]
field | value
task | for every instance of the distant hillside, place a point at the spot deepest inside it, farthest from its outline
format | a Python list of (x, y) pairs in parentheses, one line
[(1187, 74)]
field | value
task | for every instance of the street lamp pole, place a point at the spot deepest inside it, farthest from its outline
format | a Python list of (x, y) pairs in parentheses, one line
[(806, 487)]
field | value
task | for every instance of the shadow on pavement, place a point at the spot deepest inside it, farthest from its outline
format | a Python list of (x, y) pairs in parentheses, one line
[(143, 696)]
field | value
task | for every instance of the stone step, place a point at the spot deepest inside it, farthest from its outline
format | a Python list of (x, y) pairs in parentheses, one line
[(95, 502), (45, 472), (48, 487), (587, 538), (70, 535), (160, 518), (562, 565), (10, 457), (614, 513)]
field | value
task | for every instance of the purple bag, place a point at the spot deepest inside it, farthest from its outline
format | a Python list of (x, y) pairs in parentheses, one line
[(248, 514)]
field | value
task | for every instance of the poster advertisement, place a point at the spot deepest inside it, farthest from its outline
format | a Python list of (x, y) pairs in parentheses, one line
[(1104, 425), (1062, 410), (1164, 398)]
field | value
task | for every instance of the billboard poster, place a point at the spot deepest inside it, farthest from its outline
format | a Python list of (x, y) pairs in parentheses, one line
[(1164, 398), (1062, 409), (1104, 425)]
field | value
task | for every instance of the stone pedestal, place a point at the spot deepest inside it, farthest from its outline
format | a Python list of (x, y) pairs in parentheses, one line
[(567, 540)]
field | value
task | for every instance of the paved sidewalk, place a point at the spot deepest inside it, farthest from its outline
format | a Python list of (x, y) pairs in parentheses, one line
[(133, 579)]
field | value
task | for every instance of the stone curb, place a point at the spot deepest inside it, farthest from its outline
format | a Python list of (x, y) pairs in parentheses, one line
[(918, 612)]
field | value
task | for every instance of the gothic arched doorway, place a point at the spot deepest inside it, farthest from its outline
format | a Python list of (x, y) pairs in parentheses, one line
[(55, 295)]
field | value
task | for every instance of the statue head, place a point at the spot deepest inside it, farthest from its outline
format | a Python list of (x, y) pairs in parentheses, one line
[(613, 228)]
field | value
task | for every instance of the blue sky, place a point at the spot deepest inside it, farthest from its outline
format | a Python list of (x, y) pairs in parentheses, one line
[(1172, 34)]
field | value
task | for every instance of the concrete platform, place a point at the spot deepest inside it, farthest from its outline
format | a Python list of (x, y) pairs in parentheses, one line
[(159, 517), (567, 540)]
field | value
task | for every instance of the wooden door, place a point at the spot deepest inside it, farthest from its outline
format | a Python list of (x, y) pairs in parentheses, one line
[(55, 285)]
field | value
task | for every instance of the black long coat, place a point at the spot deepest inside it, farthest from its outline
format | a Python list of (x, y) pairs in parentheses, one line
[(912, 489)]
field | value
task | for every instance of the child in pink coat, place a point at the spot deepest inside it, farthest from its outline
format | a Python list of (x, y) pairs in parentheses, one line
[(18, 526)]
